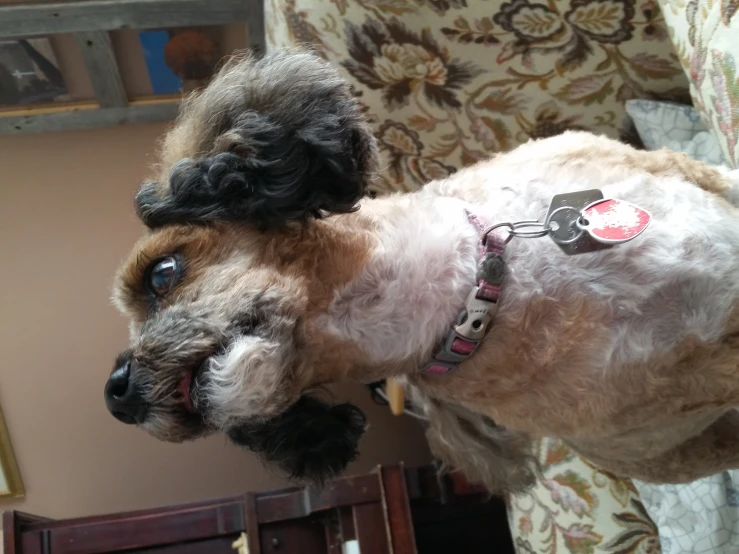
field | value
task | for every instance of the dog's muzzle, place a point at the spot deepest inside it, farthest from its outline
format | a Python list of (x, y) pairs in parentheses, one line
[(123, 396)]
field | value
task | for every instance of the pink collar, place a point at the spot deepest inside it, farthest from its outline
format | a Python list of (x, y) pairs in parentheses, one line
[(479, 308)]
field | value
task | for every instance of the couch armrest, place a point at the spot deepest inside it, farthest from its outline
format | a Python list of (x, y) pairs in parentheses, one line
[(705, 38), (578, 506)]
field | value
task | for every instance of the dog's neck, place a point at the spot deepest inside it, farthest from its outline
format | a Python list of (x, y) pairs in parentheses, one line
[(411, 290)]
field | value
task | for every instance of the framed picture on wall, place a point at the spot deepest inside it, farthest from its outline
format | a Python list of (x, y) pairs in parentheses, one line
[(29, 73), (11, 485)]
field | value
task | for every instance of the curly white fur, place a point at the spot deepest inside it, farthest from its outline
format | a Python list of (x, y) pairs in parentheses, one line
[(682, 272)]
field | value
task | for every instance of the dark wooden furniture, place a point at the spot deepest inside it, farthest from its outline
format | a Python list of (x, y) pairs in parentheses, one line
[(391, 511)]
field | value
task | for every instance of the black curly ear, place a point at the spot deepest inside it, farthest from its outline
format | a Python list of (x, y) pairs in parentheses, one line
[(311, 441), (290, 143)]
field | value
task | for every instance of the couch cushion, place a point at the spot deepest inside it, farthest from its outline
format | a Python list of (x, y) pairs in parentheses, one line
[(448, 82), (706, 38), (701, 517), (674, 126), (578, 508)]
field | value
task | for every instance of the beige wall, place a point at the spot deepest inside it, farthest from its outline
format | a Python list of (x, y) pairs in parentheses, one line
[(65, 223)]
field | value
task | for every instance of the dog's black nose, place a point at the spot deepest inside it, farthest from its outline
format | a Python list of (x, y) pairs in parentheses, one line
[(122, 397)]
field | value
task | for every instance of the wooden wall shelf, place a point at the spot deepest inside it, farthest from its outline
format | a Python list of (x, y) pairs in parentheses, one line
[(91, 21)]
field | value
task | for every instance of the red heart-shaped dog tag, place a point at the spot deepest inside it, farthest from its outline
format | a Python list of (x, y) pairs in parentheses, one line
[(614, 221)]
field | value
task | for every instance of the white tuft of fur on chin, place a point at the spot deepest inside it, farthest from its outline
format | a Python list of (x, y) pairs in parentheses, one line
[(245, 382), (159, 425)]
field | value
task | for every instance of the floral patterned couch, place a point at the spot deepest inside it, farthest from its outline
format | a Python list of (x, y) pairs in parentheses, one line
[(577, 508), (448, 82), (706, 38)]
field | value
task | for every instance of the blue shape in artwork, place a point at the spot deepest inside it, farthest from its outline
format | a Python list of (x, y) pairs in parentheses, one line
[(163, 80)]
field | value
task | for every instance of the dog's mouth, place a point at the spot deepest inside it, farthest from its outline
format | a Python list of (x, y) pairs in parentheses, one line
[(186, 385), (193, 380)]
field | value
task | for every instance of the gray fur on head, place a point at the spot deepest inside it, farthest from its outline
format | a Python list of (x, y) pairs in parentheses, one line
[(277, 139)]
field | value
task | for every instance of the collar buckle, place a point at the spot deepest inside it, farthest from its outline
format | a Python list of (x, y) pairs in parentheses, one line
[(480, 306), (474, 319)]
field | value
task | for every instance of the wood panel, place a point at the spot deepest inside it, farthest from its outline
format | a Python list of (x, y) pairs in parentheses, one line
[(398, 510), (88, 116), (106, 15), (393, 511), (137, 532), (370, 529), (220, 545), (91, 21), (296, 503), (10, 531), (334, 537), (111, 518), (297, 536), (102, 68), (12, 524), (251, 523)]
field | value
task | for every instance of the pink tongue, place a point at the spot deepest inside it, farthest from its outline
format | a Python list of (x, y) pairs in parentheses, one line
[(184, 388)]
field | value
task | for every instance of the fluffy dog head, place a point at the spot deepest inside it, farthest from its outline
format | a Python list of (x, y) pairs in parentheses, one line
[(223, 292), (267, 142)]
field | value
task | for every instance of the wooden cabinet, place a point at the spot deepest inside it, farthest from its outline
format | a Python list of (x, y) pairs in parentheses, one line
[(394, 510)]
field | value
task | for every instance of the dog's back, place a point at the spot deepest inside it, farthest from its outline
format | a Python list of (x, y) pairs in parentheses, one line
[(626, 353)]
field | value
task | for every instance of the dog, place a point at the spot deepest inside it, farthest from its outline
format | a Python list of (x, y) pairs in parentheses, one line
[(268, 272)]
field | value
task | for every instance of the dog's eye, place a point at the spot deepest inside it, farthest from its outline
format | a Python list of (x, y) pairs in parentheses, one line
[(161, 276)]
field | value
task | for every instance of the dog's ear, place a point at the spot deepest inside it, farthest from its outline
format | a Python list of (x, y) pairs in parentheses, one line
[(311, 441), (283, 139)]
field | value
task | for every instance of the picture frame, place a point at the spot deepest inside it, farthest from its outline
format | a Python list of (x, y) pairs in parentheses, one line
[(11, 484), (29, 73)]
